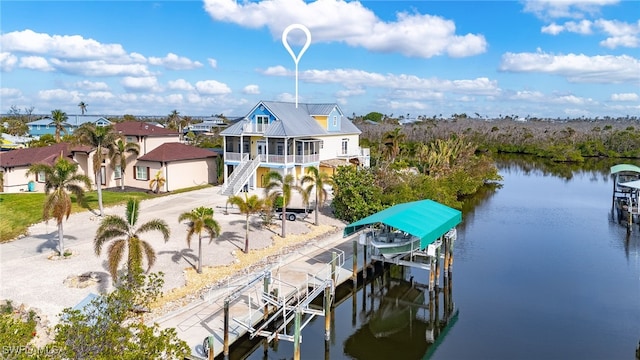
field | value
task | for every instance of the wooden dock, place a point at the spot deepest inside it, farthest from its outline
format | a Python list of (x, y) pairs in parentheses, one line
[(251, 304)]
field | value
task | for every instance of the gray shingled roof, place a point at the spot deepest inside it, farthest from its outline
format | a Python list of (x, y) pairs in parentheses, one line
[(295, 122)]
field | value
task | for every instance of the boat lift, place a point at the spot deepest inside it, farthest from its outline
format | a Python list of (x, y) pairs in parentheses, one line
[(270, 308)]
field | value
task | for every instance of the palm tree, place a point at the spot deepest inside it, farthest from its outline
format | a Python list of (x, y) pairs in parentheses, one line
[(126, 238), (83, 107), (157, 182), (120, 154), (60, 179), (200, 219), (392, 140), (278, 185), (247, 205), (59, 118), (173, 120), (318, 179), (102, 138)]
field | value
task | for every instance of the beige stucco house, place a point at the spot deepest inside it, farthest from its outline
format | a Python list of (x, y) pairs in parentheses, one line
[(160, 150)]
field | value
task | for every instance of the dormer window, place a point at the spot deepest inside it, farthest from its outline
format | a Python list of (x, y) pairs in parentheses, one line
[(261, 122)]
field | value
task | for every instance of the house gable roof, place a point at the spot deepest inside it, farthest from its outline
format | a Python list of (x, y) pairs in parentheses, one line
[(73, 120), (138, 128), (39, 155), (168, 152), (292, 121)]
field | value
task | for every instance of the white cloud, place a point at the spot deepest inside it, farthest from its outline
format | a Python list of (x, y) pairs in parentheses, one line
[(354, 78), (350, 92), (576, 9), (625, 97), (138, 84), (575, 67), (99, 68), (251, 90), (288, 97), (353, 24), (175, 62), (60, 95), (10, 92), (620, 34), (61, 46), (180, 84), (100, 95), (7, 61), (91, 85), (212, 62), (212, 87), (277, 71), (527, 95), (35, 63)]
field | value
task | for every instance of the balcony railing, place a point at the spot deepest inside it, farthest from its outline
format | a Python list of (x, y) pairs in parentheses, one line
[(254, 128), (276, 159)]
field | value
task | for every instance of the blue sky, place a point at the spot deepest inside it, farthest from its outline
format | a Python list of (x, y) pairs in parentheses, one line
[(538, 58)]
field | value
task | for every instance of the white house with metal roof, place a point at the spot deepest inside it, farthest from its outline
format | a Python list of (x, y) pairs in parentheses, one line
[(288, 138)]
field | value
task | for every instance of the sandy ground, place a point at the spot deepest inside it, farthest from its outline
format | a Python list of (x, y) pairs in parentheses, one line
[(30, 274)]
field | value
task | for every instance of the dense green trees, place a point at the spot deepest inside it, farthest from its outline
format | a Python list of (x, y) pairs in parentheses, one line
[(110, 326)]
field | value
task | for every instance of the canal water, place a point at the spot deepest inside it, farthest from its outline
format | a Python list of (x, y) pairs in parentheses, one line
[(541, 271)]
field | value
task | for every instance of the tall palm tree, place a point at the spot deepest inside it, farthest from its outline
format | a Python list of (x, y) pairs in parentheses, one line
[(59, 118), (102, 138), (157, 182), (278, 185), (126, 238), (247, 205), (173, 120), (83, 107), (200, 219), (318, 179), (60, 180), (120, 154)]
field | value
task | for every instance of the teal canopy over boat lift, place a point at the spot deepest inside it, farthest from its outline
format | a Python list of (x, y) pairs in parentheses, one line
[(615, 169), (425, 219)]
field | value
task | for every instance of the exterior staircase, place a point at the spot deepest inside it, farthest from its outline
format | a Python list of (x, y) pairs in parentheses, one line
[(240, 176)]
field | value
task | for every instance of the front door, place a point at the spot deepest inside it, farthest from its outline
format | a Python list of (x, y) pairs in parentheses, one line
[(262, 149)]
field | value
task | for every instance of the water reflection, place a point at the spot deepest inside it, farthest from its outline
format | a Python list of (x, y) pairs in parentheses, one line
[(403, 317)]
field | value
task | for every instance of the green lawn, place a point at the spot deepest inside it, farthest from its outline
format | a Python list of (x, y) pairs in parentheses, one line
[(19, 211)]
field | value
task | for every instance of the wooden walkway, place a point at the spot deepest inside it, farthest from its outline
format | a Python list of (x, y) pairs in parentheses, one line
[(289, 282)]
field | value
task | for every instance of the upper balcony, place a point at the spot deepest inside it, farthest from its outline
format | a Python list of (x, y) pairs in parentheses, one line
[(251, 128), (277, 159)]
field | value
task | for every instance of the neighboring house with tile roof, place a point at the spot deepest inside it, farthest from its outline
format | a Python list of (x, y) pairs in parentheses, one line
[(147, 136), (288, 138), (181, 166), (14, 165), (44, 125)]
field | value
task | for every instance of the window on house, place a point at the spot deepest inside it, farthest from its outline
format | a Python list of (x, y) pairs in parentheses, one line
[(345, 146), (280, 149), (142, 173), (41, 177), (335, 120), (130, 139), (117, 172), (262, 121)]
